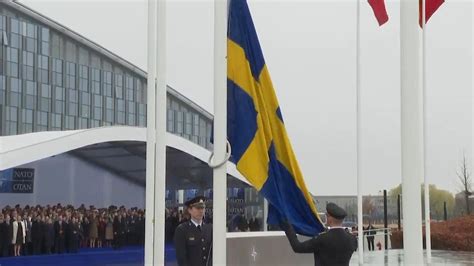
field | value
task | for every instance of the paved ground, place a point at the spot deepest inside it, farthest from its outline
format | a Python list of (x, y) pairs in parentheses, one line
[(395, 257)]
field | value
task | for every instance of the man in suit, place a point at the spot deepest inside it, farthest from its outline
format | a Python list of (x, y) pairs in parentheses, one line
[(333, 247), (59, 234), (193, 239)]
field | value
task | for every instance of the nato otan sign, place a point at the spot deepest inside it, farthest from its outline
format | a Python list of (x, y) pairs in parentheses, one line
[(17, 180)]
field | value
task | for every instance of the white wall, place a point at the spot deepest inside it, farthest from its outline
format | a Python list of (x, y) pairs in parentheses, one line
[(66, 179)]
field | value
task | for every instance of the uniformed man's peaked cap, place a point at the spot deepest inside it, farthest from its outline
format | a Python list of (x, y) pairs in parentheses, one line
[(198, 202), (335, 211)]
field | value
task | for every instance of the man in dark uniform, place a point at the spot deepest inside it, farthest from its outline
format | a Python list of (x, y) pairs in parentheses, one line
[(333, 247), (193, 239)]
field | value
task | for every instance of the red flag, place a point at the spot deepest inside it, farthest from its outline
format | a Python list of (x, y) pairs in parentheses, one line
[(430, 6), (378, 6)]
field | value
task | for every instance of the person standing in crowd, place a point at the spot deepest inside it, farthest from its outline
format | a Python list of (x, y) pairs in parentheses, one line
[(86, 227), (28, 250), (48, 235), (93, 230), (141, 227), (101, 231), (193, 239), (73, 235), (36, 234), (59, 235), (370, 232), (19, 234), (333, 247), (109, 231), (4, 236)]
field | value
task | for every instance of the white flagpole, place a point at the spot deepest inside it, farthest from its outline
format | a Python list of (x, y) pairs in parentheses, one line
[(150, 136), (219, 247), (425, 147), (411, 130), (360, 217), (160, 149)]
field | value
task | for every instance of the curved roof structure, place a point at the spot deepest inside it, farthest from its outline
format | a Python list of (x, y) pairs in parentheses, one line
[(120, 149)]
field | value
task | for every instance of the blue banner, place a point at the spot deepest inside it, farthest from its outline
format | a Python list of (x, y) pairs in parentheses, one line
[(17, 180)]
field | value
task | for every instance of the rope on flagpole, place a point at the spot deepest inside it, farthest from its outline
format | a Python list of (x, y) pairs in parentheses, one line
[(227, 157)]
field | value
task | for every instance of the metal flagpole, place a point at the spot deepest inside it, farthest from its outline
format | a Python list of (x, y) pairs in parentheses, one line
[(425, 170), (150, 136), (160, 133), (360, 217), (220, 133), (411, 101)]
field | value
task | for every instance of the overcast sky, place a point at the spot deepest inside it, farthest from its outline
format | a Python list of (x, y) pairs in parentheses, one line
[(309, 48)]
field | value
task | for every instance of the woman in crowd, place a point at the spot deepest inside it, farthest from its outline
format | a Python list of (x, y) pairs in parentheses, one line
[(19, 234), (93, 231), (101, 230), (109, 231)]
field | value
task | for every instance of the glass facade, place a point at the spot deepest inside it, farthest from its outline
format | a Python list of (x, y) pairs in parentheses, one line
[(48, 81)]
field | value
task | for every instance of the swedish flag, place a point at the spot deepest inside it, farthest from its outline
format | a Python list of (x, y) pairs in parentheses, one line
[(260, 145)]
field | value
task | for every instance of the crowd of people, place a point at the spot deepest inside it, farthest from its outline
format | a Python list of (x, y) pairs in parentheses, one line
[(57, 229), (64, 229)]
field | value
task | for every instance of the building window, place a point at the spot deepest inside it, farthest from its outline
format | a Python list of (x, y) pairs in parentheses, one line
[(57, 72), (70, 75), (11, 120), (120, 115), (170, 121), (56, 122), (208, 135), (141, 92), (83, 78), (12, 62), (179, 122), (59, 100), (83, 123), (107, 78), (130, 89), (202, 132), (85, 104), (97, 107), (30, 96), (141, 115), (95, 123), (45, 98), (70, 122), (28, 65), (15, 92), (118, 86), (15, 37), (30, 33), (2, 92), (26, 121), (96, 81), (73, 102), (1, 57), (44, 41), (41, 121), (43, 69), (189, 124), (131, 114), (196, 125), (109, 109)]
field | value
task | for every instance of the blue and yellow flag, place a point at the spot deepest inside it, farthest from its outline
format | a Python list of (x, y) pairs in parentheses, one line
[(260, 145)]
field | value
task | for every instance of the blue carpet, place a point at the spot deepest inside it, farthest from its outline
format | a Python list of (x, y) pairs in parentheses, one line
[(128, 256)]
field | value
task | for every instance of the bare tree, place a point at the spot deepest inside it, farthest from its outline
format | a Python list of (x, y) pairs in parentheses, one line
[(466, 181)]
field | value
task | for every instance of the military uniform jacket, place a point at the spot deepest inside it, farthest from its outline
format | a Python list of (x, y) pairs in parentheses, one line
[(193, 246), (334, 247)]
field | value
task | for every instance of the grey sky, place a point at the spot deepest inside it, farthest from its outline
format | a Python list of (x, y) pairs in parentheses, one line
[(309, 47)]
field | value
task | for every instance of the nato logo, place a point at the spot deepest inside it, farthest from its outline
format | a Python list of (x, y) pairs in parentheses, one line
[(17, 180)]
